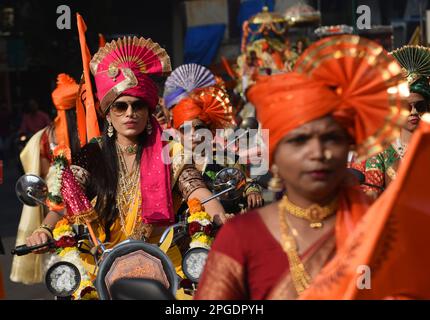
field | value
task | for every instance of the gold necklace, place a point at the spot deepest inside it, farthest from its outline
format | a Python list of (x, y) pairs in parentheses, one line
[(127, 190), (130, 149), (315, 214), (299, 275)]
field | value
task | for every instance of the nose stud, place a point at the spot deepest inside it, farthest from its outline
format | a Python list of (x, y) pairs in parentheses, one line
[(328, 154)]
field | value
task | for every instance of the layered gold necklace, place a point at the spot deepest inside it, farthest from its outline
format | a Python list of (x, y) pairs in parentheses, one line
[(128, 189), (315, 214)]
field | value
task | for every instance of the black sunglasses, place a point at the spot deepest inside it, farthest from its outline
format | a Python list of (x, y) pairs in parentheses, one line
[(120, 107), (421, 106)]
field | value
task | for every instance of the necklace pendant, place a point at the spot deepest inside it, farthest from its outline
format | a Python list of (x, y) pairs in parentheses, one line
[(130, 149), (316, 224)]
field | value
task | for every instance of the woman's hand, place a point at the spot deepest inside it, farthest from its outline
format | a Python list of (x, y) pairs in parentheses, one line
[(161, 118), (37, 238), (255, 200), (222, 218)]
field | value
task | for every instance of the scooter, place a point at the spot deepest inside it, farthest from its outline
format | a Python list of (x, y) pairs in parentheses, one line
[(134, 259)]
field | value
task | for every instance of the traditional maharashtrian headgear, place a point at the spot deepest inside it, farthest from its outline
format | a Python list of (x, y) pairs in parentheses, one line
[(415, 61), (350, 77), (184, 80), (64, 98), (123, 67), (210, 105)]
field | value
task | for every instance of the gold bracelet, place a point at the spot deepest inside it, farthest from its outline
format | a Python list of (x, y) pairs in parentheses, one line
[(46, 230), (252, 189)]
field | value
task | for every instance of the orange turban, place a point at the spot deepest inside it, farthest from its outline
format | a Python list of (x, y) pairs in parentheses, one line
[(211, 105), (64, 98), (352, 78)]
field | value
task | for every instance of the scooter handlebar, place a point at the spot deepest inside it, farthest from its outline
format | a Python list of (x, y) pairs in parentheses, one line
[(24, 249)]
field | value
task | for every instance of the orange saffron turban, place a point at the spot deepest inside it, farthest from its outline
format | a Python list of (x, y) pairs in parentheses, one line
[(211, 105), (64, 98), (352, 78)]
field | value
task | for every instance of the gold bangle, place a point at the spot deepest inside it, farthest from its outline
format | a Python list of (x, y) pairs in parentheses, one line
[(46, 230), (252, 189), (47, 226)]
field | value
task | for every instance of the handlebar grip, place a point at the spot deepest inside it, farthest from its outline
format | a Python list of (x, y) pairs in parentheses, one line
[(24, 249)]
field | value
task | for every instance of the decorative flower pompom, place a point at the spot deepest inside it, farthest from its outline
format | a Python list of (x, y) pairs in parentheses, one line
[(195, 205)]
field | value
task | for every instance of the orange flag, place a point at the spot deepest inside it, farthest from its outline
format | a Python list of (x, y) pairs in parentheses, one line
[(91, 115), (80, 114), (387, 254)]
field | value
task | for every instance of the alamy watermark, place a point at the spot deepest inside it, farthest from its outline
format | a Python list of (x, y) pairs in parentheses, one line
[(64, 18), (64, 21), (226, 147), (364, 280), (365, 18)]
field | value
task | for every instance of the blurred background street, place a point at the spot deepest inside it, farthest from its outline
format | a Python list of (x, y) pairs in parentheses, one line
[(10, 211)]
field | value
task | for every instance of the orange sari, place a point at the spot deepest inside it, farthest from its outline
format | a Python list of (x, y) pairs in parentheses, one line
[(247, 262)]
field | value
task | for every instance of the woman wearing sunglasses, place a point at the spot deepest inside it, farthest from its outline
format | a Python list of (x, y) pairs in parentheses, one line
[(126, 171), (381, 169), (334, 100)]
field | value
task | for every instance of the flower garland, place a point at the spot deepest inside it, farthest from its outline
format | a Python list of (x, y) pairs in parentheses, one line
[(67, 250), (200, 226), (61, 158)]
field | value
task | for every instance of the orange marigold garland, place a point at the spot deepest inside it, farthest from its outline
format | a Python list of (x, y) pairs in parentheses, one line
[(200, 225)]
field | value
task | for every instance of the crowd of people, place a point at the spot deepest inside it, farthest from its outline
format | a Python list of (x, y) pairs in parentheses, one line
[(343, 103)]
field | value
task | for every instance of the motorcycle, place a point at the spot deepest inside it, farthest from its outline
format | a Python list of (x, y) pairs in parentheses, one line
[(130, 259)]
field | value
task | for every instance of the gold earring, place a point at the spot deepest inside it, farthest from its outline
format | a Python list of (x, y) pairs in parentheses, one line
[(275, 183), (110, 130)]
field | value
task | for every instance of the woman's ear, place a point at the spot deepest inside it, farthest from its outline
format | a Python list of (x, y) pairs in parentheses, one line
[(108, 117)]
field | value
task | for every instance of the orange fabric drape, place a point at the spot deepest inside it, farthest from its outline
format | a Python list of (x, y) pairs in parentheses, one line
[(91, 115), (64, 98), (391, 239), (353, 204)]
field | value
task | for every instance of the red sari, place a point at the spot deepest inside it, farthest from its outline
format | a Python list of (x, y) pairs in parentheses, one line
[(247, 262)]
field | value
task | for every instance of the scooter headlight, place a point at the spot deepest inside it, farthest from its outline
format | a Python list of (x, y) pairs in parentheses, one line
[(194, 262), (63, 279)]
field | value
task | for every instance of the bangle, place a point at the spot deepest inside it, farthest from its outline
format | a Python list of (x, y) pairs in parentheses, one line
[(252, 189), (44, 228)]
